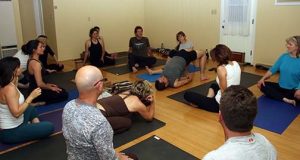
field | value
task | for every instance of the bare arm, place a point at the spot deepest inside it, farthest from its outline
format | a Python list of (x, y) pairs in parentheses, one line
[(86, 50), (221, 73), (147, 112), (103, 49), (35, 68), (12, 99), (267, 75), (149, 52), (183, 80), (130, 50)]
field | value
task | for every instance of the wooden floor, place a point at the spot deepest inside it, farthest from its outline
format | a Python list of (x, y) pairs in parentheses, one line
[(197, 131)]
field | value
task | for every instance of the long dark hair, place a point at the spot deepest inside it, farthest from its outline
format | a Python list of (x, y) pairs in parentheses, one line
[(30, 46), (221, 53), (8, 65)]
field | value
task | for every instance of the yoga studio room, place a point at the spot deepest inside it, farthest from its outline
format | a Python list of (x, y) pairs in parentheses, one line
[(149, 79)]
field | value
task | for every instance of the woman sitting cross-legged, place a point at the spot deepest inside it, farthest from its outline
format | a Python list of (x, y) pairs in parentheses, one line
[(228, 73), (288, 65), (51, 93), (18, 122), (119, 108)]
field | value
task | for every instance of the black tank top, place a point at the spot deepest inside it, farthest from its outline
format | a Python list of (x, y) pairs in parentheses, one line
[(95, 53), (31, 78)]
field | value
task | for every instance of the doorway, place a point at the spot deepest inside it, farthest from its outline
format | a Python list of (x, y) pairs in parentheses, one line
[(237, 26)]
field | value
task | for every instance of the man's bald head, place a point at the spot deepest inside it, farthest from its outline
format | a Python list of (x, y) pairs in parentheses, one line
[(86, 77)]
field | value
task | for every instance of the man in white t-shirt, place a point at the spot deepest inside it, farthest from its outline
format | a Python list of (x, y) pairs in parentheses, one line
[(238, 108)]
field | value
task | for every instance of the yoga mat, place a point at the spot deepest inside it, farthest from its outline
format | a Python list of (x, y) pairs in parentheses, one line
[(119, 70), (247, 80), (148, 77), (275, 116), (155, 148), (122, 60), (139, 128), (62, 79), (54, 117), (60, 105), (46, 149)]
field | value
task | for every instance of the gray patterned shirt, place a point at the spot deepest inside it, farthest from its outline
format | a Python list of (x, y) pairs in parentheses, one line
[(88, 134)]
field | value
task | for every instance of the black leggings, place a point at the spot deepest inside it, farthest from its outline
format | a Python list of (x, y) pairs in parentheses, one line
[(207, 103), (274, 91), (108, 60), (141, 60), (50, 96)]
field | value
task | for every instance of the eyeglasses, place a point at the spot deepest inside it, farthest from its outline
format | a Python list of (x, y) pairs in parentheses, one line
[(101, 80)]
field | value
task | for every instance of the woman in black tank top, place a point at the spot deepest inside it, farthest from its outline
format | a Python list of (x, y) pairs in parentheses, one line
[(95, 51), (51, 93)]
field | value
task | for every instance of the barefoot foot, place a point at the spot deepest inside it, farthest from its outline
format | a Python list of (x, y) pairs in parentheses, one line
[(289, 101)]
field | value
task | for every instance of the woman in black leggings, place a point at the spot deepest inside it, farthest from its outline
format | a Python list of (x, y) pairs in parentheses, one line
[(51, 93), (228, 73)]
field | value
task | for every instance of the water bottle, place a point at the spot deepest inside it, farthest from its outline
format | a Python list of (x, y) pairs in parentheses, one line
[(162, 45)]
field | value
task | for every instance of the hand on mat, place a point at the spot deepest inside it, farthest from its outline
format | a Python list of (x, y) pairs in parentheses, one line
[(54, 87), (35, 93), (260, 82)]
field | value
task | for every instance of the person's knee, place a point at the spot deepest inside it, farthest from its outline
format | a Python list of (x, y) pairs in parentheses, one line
[(297, 94), (47, 127)]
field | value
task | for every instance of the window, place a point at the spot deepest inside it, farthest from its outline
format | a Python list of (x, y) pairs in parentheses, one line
[(287, 2)]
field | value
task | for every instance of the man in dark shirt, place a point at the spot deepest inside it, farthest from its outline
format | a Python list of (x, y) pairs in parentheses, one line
[(139, 51), (44, 58)]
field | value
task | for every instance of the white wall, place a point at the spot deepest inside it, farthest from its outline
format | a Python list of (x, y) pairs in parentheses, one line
[(116, 19)]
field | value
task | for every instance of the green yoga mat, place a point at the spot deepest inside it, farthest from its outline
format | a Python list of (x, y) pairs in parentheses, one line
[(119, 70), (155, 148), (247, 80), (55, 148)]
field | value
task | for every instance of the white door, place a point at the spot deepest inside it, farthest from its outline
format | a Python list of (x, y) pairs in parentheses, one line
[(38, 16), (237, 27)]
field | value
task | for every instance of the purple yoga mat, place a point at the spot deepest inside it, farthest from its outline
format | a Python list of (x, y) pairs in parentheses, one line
[(54, 117)]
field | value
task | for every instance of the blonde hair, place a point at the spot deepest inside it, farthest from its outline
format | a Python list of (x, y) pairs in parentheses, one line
[(295, 40), (141, 89)]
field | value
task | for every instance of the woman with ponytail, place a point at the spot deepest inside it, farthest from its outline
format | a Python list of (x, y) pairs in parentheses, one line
[(51, 93)]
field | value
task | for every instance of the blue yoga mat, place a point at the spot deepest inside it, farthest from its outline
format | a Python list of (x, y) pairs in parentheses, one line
[(50, 107), (152, 78), (148, 77), (275, 116)]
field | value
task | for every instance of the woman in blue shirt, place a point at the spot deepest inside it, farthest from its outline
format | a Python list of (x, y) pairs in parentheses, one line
[(288, 65)]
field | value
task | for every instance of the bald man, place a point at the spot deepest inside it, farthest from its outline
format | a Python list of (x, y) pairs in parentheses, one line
[(88, 134)]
